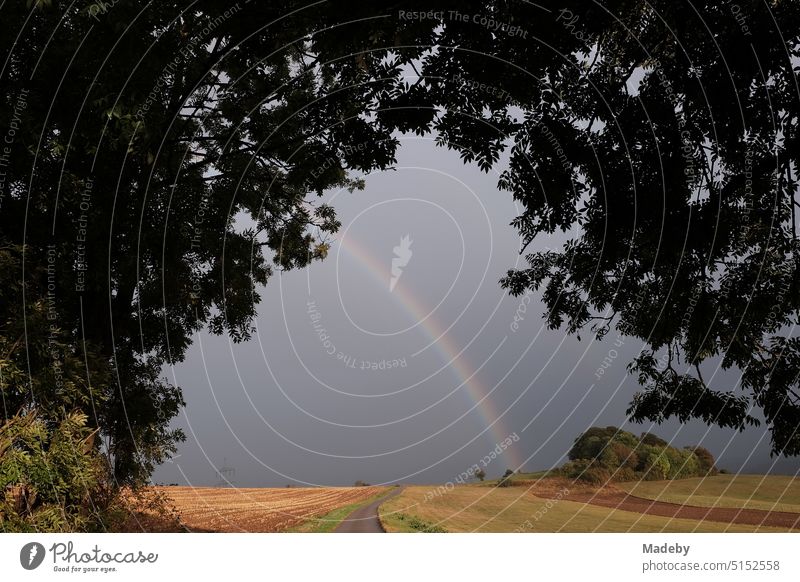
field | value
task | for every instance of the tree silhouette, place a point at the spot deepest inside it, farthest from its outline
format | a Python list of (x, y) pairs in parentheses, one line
[(159, 164), (662, 138)]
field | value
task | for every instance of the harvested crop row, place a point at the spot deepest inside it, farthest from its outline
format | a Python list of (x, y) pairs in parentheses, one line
[(259, 510)]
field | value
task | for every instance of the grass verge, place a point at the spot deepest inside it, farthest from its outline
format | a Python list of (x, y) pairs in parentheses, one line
[(473, 508), (328, 522), (765, 492)]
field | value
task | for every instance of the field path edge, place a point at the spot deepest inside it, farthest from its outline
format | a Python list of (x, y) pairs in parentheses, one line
[(742, 516), (365, 519)]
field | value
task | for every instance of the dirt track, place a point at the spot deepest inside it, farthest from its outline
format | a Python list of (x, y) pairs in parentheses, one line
[(616, 499)]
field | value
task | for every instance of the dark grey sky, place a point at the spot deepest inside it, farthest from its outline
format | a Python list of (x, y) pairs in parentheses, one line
[(350, 379)]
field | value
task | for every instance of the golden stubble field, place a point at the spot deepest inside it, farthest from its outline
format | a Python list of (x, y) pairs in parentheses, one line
[(723, 503), (208, 509)]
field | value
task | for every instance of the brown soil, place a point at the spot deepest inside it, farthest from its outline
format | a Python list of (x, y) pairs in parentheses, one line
[(208, 509), (614, 498)]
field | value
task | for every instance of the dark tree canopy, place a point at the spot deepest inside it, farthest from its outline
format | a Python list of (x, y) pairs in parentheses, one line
[(663, 136), (141, 137), (683, 192)]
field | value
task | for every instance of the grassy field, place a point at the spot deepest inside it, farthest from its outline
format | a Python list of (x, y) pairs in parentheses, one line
[(770, 492), (265, 510), (479, 508), (483, 507), (529, 476)]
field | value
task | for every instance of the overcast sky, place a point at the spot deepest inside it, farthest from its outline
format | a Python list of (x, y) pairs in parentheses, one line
[(351, 377)]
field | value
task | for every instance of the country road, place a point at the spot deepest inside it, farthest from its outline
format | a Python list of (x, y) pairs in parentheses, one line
[(365, 519)]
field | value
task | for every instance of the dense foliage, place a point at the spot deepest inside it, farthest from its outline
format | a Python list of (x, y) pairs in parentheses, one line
[(52, 480), (662, 140), (156, 186), (600, 455)]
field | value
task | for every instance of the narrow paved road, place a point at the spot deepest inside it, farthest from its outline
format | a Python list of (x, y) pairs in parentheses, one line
[(365, 519)]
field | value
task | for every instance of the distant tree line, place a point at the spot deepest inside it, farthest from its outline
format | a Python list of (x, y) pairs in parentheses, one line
[(600, 455)]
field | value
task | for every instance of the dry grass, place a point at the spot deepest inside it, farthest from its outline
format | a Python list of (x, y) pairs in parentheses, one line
[(206, 509), (766, 492), (472, 508)]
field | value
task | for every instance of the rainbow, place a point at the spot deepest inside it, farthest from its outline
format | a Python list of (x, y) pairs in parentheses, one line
[(478, 393)]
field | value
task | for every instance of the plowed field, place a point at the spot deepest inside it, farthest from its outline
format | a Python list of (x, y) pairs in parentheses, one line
[(259, 510)]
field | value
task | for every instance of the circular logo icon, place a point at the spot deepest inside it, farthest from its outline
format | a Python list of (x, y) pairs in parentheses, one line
[(31, 555)]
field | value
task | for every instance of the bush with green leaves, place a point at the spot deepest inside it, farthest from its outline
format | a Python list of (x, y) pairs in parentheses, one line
[(607, 454), (575, 469), (419, 525), (705, 459), (54, 478), (657, 467), (505, 480), (51, 476)]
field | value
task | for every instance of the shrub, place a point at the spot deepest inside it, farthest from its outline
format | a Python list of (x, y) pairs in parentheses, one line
[(658, 467), (608, 457), (625, 474), (683, 463), (644, 452), (419, 525), (626, 456), (705, 460), (51, 478), (597, 475), (505, 480), (575, 469)]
